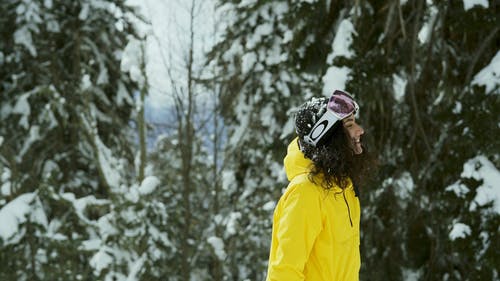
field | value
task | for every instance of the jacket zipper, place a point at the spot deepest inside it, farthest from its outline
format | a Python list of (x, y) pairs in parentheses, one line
[(348, 209)]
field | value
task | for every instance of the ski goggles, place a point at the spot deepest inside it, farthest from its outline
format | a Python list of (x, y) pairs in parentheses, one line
[(340, 105)]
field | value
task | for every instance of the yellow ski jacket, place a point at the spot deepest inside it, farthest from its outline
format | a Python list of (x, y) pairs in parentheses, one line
[(315, 234)]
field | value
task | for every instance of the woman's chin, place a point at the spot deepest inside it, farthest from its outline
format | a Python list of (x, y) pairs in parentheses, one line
[(358, 149)]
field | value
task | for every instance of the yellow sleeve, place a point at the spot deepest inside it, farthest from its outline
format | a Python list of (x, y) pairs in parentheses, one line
[(297, 227)]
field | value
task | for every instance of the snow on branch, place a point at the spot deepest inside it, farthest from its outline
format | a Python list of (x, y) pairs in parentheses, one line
[(25, 207), (108, 165), (489, 76)]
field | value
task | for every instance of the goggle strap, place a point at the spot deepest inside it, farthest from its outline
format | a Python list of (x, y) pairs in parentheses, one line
[(321, 127)]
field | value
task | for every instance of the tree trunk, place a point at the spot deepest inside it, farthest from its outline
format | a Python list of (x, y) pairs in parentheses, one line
[(141, 123)]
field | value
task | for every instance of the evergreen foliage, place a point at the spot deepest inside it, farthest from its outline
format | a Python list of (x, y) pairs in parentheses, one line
[(66, 144), (168, 163), (81, 199), (412, 65)]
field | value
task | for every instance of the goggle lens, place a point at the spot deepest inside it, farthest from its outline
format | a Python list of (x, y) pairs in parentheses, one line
[(342, 104)]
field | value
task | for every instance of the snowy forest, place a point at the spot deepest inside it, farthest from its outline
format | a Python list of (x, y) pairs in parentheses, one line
[(144, 140)]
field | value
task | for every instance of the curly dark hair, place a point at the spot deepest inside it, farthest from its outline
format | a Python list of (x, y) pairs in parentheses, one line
[(333, 157)]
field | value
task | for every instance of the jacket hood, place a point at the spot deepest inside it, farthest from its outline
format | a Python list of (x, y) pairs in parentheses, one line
[(295, 162)]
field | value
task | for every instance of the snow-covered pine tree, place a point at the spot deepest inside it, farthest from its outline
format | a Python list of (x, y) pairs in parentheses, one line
[(66, 142), (271, 59), (470, 209), (190, 243), (414, 70), (411, 63)]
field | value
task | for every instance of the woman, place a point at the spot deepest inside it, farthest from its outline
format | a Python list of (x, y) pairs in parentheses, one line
[(316, 222)]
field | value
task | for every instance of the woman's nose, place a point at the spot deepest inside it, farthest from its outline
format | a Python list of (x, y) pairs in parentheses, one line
[(360, 130)]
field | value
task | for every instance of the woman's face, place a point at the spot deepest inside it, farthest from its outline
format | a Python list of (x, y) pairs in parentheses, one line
[(354, 132)]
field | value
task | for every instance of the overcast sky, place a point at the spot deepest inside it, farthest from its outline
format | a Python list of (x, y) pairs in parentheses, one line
[(168, 42)]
